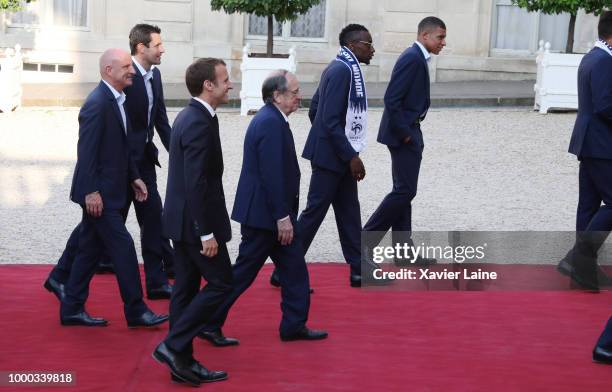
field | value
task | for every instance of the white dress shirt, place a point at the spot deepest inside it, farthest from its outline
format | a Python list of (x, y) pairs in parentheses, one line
[(148, 80), (120, 98), (212, 113), (425, 51)]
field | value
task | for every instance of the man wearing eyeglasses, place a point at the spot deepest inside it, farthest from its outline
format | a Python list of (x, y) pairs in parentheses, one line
[(338, 114)]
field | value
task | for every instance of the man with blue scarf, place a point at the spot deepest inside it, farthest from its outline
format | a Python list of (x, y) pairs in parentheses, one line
[(338, 114)]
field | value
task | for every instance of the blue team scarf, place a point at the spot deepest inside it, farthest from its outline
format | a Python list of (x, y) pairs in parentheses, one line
[(357, 112)]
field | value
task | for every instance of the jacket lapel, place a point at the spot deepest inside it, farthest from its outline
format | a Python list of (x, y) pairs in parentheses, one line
[(115, 106)]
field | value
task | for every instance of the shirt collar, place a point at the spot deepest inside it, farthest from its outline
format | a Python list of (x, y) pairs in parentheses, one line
[(281, 112), (145, 74), (603, 45), (206, 105), (425, 51), (120, 97)]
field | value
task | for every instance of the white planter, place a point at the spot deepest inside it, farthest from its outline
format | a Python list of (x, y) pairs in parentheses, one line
[(557, 80), (11, 65), (254, 71)]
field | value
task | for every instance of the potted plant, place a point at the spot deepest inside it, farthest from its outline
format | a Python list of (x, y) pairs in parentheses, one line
[(556, 80), (255, 66)]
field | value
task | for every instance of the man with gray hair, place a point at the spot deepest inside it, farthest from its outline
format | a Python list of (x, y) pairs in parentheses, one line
[(104, 171), (266, 206)]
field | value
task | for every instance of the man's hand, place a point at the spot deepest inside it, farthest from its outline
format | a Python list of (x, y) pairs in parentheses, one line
[(210, 247), (285, 231), (140, 190), (357, 168), (407, 140), (93, 204)]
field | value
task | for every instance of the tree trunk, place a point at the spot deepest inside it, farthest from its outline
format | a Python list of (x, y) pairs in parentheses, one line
[(569, 48), (270, 44)]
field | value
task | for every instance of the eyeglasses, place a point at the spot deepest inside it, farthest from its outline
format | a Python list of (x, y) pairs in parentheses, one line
[(367, 43)]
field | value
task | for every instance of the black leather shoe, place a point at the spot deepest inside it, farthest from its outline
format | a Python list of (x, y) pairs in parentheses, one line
[(203, 374), (55, 287), (305, 334), (179, 366), (274, 279), (84, 319), (218, 339), (355, 280), (163, 292), (147, 319), (105, 268), (602, 356), (565, 268)]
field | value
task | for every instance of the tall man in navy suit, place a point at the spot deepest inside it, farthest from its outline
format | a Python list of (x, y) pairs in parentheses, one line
[(195, 218), (266, 206), (591, 142), (333, 151), (104, 170), (146, 109), (406, 104)]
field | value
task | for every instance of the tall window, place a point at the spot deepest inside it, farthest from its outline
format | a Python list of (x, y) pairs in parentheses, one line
[(63, 13), (516, 30), (309, 25)]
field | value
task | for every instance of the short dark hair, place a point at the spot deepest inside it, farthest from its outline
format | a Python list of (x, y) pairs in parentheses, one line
[(604, 27), (200, 71), (430, 23), (141, 34), (349, 33), (276, 81)]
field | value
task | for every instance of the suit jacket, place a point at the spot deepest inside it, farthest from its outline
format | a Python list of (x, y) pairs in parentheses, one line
[(195, 201), (406, 99), (327, 145), (269, 184), (103, 163), (592, 135), (137, 104)]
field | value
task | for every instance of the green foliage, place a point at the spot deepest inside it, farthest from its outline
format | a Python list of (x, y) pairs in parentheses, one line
[(282, 10), (12, 5), (570, 6)]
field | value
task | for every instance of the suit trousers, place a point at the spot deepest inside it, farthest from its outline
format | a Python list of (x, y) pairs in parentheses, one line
[(340, 191), (605, 340), (190, 306), (104, 234), (594, 187), (154, 245), (395, 211), (255, 248)]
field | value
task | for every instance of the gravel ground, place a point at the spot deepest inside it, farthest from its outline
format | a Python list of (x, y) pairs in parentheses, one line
[(483, 169)]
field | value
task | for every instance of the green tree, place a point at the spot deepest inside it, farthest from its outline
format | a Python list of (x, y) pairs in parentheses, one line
[(570, 6), (12, 5), (281, 10)]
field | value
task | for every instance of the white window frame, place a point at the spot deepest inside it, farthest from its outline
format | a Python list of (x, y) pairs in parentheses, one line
[(46, 19), (533, 44), (286, 32)]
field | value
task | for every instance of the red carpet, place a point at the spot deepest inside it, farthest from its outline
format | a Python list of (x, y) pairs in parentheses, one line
[(379, 340)]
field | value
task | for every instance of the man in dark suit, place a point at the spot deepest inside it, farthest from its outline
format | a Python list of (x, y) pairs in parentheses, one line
[(603, 349), (591, 142), (146, 109), (195, 218), (335, 162), (406, 104), (104, 171), (266, 205)]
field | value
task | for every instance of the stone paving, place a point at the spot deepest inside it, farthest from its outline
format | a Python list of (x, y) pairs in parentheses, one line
[(483, 169)]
